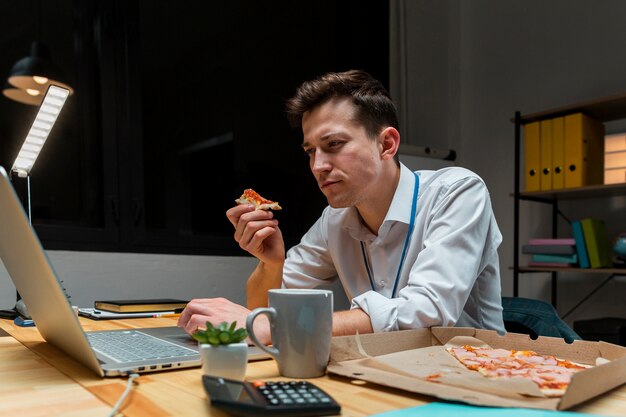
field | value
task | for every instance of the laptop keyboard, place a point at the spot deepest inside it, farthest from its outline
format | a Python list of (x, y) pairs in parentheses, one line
[(132, 346)]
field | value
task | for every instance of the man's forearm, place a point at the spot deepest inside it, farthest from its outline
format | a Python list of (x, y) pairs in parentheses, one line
[(349, 322), (264, 278)]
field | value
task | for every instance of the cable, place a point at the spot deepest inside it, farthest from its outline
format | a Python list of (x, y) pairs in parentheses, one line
[(129, 387)]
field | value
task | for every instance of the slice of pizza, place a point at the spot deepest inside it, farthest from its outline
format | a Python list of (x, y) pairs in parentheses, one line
[(250, 196), (552, 375)]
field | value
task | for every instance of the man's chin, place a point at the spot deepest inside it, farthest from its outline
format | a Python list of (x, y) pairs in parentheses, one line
[(336, 203)]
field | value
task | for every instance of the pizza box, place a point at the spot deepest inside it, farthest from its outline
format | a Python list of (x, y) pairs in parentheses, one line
[(416, 361)]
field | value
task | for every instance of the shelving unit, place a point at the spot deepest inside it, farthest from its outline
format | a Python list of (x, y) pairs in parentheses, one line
[(603, 110)]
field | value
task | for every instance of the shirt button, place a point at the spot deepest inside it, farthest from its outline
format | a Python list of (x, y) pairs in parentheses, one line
[(383, 283)]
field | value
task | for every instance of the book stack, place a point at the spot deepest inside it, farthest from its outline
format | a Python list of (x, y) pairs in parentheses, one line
[(615, 158), (552, 252), (563, 152), (592, 243)]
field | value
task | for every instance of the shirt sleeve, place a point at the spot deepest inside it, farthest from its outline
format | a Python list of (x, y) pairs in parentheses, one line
[(441, 279), (309, 264)]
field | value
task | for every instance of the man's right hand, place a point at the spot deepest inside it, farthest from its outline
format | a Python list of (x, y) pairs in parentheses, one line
[(257, 232)]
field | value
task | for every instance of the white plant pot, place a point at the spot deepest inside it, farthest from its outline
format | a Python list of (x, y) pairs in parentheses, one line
[(226, 361)]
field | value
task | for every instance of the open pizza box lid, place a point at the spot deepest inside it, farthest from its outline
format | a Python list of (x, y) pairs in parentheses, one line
[(416, 361)]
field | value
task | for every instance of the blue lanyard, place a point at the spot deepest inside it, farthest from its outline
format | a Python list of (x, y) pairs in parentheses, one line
[(406, 242)]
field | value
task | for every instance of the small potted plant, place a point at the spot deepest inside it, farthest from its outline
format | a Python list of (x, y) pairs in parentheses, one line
[(222, 350)]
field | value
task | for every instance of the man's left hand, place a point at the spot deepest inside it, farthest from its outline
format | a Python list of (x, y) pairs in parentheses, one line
[(217, 310)]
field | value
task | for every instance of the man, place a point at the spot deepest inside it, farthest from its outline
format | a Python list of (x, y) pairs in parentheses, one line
[(411, 249)]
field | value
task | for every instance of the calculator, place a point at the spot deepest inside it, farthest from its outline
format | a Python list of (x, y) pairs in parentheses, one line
[(269, 398)]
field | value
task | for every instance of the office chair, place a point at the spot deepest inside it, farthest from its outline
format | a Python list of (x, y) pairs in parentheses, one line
[(535, 318)]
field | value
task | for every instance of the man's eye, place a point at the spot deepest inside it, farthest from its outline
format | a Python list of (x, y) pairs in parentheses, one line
[(309, 151), (334, 144)]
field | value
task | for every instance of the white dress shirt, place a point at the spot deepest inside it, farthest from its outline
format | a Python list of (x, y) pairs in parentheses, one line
[(451, 272)]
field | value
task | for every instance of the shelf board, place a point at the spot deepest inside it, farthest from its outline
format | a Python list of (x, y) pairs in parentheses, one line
[(603, 110), (591, 191), (606, 271)]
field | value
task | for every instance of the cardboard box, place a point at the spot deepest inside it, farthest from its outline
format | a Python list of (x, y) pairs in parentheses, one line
[(390, 359)]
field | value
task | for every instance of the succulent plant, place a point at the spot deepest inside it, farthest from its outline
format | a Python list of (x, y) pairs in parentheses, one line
[(222, 334)]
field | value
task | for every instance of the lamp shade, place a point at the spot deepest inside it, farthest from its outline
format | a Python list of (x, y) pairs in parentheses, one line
[(17, 94), (34, 74)]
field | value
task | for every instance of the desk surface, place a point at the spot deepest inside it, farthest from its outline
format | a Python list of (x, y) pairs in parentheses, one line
[(44, 381)]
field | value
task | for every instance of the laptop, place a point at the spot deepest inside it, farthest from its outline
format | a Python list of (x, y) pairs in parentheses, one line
[(37, 282)]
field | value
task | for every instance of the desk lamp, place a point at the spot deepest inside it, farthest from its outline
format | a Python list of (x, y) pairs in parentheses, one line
[(31, 76), (49, 110)]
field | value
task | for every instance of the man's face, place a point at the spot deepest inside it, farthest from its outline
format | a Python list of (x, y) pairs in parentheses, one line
[(345, 162)]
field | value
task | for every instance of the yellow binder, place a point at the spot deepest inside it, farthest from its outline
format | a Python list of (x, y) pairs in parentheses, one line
[(532, 149), (545, 183), (584, 151), (558, 153)]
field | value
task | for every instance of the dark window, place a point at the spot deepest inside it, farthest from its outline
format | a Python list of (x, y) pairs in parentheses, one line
[(178, 108)]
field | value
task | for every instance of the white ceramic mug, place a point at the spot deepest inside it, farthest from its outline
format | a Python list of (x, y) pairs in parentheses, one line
[(301, 325)]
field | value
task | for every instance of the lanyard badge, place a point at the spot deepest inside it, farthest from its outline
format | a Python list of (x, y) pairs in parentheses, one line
[(406, 242)]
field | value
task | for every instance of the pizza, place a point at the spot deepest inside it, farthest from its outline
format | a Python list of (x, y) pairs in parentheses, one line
[(552, 375), (250, 196)]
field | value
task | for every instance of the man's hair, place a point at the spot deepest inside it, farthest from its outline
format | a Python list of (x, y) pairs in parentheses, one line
[(374, 108)]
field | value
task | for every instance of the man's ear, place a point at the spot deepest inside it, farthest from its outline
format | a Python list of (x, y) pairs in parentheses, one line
[(390, 142)]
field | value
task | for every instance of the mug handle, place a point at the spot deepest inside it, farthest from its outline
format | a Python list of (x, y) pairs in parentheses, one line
[(271, 315)]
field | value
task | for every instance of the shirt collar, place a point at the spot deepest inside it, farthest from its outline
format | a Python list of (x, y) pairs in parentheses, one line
[(400, 208)]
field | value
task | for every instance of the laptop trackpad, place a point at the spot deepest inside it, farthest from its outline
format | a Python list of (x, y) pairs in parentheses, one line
[(179, 336), (172, 334)]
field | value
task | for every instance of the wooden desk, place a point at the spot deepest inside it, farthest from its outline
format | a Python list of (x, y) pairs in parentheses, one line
[(173, 393), (30, 386)]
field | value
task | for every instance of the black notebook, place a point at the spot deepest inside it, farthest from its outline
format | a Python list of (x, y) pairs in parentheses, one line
[(137, 306)]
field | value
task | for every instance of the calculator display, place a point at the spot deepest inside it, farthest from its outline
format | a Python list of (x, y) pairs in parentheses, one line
[(269, 398), (228, 390)]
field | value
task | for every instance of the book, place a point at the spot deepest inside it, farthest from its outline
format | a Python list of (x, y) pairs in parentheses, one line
[(136, 306), (551, 249), (550, 241), (597, 243), (95, 314), (549, 264), (545, 155), (565, 259), (615, 142), (581, 248), (558, 153), (584, 151), (532, 154)]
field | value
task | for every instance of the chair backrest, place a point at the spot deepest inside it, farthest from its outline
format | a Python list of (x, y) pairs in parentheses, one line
[(536, 318)]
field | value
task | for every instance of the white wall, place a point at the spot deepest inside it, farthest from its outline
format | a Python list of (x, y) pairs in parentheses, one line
[(88, 276), (91, 275), (530, 56)]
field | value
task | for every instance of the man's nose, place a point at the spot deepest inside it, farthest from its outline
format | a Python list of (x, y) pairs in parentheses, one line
[(320, 162)]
